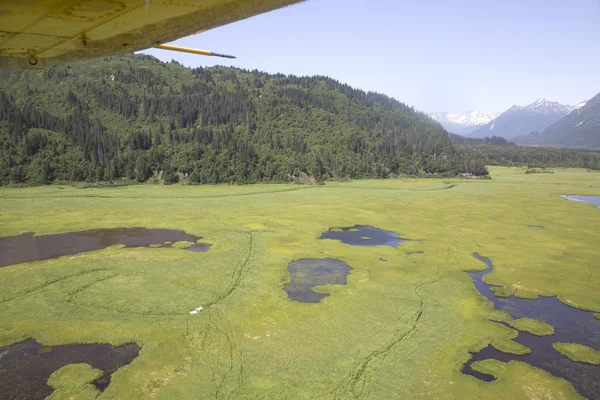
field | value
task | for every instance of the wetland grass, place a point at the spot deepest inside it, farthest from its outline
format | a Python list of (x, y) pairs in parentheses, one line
[(403, 328)]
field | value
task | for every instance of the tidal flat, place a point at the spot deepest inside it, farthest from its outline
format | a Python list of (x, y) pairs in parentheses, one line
[(401, 328)]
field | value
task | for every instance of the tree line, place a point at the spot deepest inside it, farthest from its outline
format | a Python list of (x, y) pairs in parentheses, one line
[(534, 157)]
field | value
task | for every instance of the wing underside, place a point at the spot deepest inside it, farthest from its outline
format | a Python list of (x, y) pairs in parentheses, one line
[(65, 30)]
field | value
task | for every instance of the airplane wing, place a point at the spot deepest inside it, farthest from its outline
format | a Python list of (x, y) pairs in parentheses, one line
[(76, 29)]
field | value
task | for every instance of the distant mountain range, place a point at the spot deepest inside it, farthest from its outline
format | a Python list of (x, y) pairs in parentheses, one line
[(519, 121), (579, 128), (462, 123)]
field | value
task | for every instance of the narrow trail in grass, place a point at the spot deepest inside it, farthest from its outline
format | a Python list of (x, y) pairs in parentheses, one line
[(239, 273), (47, 284), (236, 356), (357, 380), (226, 361), (355, 383)]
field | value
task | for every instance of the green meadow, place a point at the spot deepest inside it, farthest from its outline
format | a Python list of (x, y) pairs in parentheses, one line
[(398, 329)]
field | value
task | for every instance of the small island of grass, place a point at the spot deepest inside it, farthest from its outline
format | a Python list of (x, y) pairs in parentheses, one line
[(533, 326), (578, 352)]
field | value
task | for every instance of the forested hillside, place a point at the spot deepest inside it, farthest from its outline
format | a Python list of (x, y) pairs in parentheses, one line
[(134, 116)]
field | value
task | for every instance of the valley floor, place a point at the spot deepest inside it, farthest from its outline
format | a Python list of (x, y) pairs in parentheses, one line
[(401, 328)]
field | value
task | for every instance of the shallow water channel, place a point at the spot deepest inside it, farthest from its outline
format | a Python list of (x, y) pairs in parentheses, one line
[(25, 367), (570, 326), (583, 199), (28, 247), (363, 235), (307, 273)]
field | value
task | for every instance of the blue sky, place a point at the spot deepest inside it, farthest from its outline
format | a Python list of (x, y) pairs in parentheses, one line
[(435, 55)]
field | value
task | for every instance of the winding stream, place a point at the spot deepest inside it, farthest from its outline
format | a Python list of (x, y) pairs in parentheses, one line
[(570, 326)]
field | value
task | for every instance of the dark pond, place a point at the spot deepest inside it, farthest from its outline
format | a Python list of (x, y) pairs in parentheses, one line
[(27, 247), (308, 273), (25, 367), (583, 199), (356, 236), (570, 326), (199, 248)]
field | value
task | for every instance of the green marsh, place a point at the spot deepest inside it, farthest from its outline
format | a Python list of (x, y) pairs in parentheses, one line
[(401, 328)]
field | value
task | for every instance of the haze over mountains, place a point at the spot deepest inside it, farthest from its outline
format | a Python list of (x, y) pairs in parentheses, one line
[(462, 123), (543, 123), (519, 121)]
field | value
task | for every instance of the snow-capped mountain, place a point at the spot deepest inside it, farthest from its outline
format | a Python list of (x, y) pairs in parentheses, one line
[(519, 121), (580, 128), (462, 123), (578, 106), (543, 106)]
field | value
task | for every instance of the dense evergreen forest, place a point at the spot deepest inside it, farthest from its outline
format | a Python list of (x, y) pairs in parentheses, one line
[(133, 117), (496, 150), (511, 155), (486, 141)]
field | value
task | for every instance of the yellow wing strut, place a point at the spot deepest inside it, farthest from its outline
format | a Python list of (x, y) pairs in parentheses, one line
[(192, 51)]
